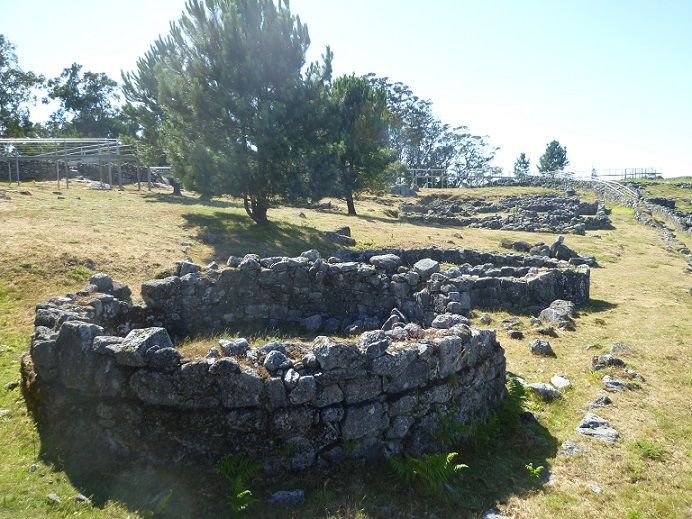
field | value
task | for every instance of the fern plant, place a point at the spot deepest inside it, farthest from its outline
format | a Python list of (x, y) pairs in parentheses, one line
[(534, 472), (237, 469), (430, 471)]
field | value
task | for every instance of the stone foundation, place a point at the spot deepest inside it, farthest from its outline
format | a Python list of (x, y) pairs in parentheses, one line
[(533, 213), (104, 374)]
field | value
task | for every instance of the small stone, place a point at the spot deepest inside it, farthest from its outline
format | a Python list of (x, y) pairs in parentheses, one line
[(81, 498), (291, 378), (4, 412), (571, 448), (618, 347), (596, 427), (287, 497), (594, 488), (213, 353), (560, 382), (494, 513), (33, 467), (616, 384), (486, 319), (516, 334), (53, 498), (275, 360), (600, 401), (545, 392), (234, 347), (12, 385), (548, 331), (633, 375), (599, 362), (541, 347)]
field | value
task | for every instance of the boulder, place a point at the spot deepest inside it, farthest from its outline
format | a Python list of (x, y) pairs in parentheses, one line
[(545, 392), (133, 350), (388, 262), (426, 267), (598, 428), (234, 347), (541, 347)]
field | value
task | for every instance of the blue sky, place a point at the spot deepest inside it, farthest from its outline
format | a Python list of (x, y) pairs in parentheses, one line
[(612, 80)]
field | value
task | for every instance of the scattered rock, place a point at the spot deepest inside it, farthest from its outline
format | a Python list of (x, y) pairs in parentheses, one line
[(618, 347), (600, 401), (12, 385), (633, 375), (548, 331), (312, 255), (81, 498), (599, 362), (4, 412), (516, 334), (541, 347), (571, 449), (560, 382), (594, 488), (494, 513), (486, 319), (545, 392), (339, 239), (53, 498), (560, 313), (616, 384), (511, 323), (596, 427)]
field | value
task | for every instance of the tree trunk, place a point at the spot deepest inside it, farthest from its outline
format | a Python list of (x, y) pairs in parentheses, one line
[(349, 203), (176, 188), (256, 209)]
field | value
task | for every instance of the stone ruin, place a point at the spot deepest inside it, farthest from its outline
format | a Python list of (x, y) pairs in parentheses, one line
[(533, 213), (105, 379)]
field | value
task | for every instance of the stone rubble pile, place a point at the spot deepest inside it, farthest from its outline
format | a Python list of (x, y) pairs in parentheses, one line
[(533, 213)]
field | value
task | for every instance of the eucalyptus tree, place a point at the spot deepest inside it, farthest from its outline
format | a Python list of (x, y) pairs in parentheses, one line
[(17, 93), (89, 104)]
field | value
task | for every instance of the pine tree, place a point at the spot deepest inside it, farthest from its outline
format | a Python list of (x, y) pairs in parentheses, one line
[(522, 165), (228, 88), (360, 135), (554, 158)]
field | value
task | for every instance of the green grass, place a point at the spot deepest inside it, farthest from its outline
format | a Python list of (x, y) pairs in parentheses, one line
[(639, 297)]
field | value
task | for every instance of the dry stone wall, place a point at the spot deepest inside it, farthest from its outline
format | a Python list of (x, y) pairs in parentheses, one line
[(533, 213), (104, 376)]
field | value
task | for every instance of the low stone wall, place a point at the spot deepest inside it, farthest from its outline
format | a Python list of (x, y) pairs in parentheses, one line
[(356, 291), (105, 373), (533, 213), (135, 397)]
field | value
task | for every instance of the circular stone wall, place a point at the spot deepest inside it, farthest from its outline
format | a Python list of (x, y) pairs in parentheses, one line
[(103, 374)]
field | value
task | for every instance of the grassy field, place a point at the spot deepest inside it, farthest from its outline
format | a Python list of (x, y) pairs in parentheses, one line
[(52, 243)]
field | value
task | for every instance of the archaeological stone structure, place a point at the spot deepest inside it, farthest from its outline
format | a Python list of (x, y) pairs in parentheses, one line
[(533, 213), (106, 377)]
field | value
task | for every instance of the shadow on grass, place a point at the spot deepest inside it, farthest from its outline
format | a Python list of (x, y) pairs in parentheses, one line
[(598, 305), (169, 198), (236, 234)]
